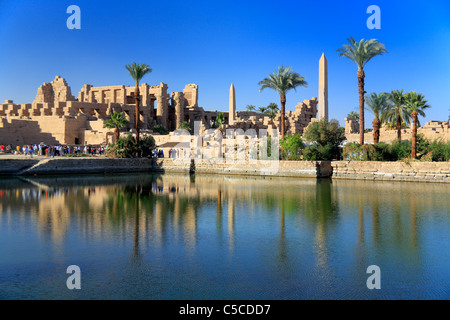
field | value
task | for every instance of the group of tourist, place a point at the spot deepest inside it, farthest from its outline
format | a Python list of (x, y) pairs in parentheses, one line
[(157, 153), (51, 151)]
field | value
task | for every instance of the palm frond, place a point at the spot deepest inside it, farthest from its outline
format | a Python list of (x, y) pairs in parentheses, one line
[(361, 53)]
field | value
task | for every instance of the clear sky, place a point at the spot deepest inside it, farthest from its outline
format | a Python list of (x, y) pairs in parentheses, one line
[(216, 43)]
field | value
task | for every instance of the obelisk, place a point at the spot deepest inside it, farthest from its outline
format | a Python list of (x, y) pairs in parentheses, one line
[(323, 88), (232, 105)]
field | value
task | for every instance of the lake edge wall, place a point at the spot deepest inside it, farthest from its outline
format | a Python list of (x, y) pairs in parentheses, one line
[(353, 170), (392, 171), (66, 165)]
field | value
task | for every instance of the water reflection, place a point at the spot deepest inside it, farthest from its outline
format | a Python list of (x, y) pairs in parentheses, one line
[(327, 231)]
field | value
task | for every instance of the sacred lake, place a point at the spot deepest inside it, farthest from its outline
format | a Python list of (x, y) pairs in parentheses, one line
[(176, 236)]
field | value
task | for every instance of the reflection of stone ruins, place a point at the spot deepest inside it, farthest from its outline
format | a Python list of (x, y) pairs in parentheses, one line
[(431, 130), (57, 117)]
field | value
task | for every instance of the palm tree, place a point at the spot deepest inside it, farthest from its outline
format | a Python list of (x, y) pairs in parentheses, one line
[(415, 103), (397, 112), (361, 53), (251, 108), (116, 122), (282, 81), (137, 72), (377, 104), (271, 110), (353, 115)]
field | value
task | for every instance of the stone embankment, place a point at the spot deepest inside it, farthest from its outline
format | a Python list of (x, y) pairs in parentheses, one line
[(384, 171), (307, 169), (392, 171)]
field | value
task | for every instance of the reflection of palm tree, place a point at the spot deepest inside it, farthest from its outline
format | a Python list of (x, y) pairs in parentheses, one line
[(136, 226), (412, 204), (231, 209), (283, 256), (219, 208), (360, 221), (376, 220)]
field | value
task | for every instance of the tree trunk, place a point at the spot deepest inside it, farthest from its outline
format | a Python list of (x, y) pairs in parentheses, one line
[(414, 135), (138, 113), (361, 76), (116, 134), (376, 130), (399, 127), (283, 111)]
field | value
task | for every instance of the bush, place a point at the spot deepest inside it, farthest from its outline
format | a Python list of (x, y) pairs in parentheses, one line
[(383, 152), (400, 150), (356, 152), (324, 132), (328, 136), (318, 152), (146, 146), (440, 151), (126, 147), (160, 129), (291, 146), (185, 126), (379, 152), (423, 144)]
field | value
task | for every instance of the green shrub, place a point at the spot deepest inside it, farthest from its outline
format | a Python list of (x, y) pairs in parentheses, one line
[(146, 146), (423, 144), (400, 150), (126, 147), (327, 136), (440, 151), (324, 132), (185, 126), (383, 152), (265, 147), (354, 151), (291, 146), (160, 129), (318, 152)]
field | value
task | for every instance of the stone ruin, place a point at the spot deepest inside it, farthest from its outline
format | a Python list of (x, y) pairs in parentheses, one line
[(57, 117)]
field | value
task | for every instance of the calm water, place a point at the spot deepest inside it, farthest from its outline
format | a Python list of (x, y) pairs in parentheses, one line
[(211, 237)]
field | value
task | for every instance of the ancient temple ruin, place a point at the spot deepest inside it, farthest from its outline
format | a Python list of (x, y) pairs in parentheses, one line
[(57, 117)]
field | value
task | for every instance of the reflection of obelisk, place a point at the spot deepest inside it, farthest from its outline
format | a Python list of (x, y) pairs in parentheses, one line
[(232, 105), (323, 88)]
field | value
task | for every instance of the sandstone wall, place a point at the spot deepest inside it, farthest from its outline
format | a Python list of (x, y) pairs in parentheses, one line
[(371, 171), (432, 130), (304, 169), (392, 171)]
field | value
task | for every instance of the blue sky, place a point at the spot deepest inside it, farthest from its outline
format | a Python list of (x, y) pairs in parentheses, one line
[(215, 43)]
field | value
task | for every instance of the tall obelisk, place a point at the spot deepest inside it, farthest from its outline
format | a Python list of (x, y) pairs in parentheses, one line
[(323, 88), (232, 105)]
